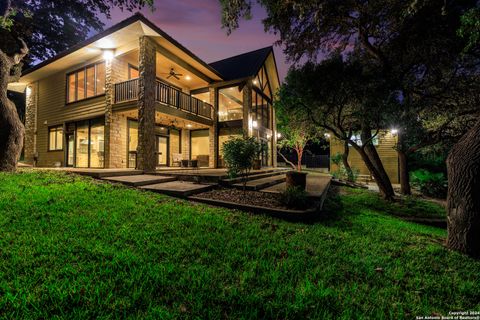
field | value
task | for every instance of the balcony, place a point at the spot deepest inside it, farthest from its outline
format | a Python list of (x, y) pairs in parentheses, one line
[(128, 91)]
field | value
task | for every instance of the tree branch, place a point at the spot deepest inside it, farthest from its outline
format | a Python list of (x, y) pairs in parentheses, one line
[(286, 160)]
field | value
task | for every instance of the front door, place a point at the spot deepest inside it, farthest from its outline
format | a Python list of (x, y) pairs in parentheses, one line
[(162, 151), (70, 149)]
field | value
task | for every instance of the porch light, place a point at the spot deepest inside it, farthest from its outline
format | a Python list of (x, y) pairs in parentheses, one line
[(108, 54), (394, 131), (254, 124)]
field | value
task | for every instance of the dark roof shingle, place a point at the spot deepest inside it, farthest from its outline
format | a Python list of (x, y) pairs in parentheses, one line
[(243, 65)]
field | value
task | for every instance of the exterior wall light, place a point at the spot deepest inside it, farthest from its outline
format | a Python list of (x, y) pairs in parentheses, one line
[(279, 135), (327, 135), (394, 132), (254, 124), (29, 91), (108, 54)]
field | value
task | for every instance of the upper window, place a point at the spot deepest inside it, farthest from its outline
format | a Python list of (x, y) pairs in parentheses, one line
[(356, 137), (230, 104), (55, 138), (86, 82), (133, 72)]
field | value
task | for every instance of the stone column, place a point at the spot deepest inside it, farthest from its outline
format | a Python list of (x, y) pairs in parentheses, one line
[(30, 145), (247, 107), (109, 100), (146, 106), (213, 132), (185, 144)]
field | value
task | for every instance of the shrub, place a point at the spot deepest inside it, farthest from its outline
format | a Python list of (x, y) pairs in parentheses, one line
[(239, 154), (294, 197), (429, 183), (342, 172)]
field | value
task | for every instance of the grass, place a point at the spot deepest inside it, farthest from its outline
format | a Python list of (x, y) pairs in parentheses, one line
[(75, 248)]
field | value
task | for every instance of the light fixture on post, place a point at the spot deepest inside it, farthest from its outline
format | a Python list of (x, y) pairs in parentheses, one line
[(108, 54)]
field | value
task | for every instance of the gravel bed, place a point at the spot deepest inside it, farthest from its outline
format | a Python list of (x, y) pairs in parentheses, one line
[(255, 198)]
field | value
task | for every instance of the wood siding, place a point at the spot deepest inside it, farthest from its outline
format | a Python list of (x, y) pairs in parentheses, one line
[(386, 151)]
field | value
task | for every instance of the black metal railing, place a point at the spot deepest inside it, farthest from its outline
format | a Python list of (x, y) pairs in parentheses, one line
[(171, 96), (126, 91), (175, 98)]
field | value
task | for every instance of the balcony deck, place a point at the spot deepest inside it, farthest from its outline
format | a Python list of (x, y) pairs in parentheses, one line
[(127, 91)]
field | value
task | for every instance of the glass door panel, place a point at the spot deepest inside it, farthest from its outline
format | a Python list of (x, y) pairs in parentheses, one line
[(70, 150), (82, 145), (97, 145), (162, 151)]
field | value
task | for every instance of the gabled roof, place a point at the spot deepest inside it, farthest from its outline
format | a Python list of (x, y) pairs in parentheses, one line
[(128, 26), (242, 66)]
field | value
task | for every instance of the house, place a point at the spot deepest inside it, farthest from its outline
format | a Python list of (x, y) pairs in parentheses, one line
[(133, 97)]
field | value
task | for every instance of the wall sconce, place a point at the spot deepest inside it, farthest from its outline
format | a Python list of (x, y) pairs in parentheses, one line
[(327, 135), (254, 124), (279, 135), (394, 132), (29, 91)]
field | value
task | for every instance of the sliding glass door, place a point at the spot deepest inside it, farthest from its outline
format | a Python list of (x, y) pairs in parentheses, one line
[(89, 144)]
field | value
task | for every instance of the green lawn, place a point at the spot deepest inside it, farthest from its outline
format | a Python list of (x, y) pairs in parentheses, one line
[(76, 248)]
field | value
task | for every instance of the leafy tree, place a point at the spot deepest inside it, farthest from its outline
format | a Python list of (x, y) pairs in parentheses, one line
[(416, 45), (295, 126), (333, 95), (34, 31)]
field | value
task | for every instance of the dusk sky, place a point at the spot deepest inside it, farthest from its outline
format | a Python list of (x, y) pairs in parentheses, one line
[(197, 25)]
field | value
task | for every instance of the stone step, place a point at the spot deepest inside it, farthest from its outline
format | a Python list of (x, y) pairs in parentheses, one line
[(180, 189), (262, 183), (104, 173), (229, 182), (140, 180)]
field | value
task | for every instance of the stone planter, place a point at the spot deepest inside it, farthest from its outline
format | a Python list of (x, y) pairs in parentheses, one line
[(257, 164), (296, 179)]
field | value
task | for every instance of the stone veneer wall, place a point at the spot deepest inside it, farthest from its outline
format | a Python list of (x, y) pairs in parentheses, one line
[(247, 107), (31, 123), (146, 106), (118, 141), (185, 136), (116, 70)]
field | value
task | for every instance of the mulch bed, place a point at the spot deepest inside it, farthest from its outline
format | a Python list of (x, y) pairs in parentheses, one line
[(255, 198)]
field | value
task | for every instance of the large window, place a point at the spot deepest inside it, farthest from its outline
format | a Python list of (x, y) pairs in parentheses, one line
[(199, 143), (55, 138), (261, 109), (133, 72), (230, 104), (86, 82), (132, 143)]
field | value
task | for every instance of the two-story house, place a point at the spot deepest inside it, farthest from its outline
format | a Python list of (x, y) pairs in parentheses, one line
[(133, 97)]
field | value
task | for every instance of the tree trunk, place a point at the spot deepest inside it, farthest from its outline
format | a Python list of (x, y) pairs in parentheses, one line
[(463, 200), (381, 176), (299, 159), (11, 128), (346, 151)]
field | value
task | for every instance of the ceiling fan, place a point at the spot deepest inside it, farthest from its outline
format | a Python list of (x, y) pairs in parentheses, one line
[(172, 73)]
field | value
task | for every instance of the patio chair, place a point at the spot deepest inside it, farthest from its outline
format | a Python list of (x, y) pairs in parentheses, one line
[(177, 159)]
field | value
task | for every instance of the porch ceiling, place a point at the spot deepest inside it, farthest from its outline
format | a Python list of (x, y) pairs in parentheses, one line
[(188, 81)]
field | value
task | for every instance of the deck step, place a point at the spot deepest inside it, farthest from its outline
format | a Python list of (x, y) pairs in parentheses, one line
[(262, 183), (140, 180), (180, 189), (252, 177), (104, 173)]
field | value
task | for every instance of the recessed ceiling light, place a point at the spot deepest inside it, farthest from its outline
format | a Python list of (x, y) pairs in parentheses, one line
[(187, 77), (189, 125)]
